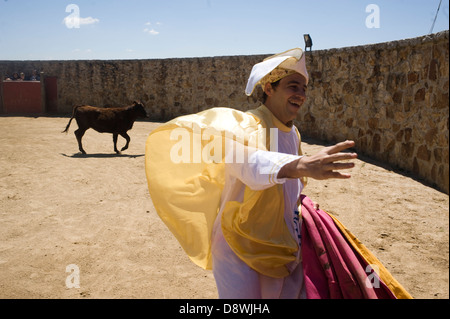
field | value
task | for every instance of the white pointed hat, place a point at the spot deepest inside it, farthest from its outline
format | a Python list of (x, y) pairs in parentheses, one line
[(277, 67)]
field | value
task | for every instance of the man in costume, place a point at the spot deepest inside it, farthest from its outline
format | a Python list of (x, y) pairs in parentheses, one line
[(241, 212)]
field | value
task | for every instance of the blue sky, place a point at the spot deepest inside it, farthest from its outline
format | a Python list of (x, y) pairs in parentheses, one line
[(147, 29)]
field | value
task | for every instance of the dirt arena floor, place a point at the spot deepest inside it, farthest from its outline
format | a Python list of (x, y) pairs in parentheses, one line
[(59, 208)]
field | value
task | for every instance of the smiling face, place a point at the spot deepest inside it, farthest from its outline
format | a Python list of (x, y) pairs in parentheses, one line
[(286, 99)]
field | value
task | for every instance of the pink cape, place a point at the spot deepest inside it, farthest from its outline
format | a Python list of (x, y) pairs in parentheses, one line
[(332, 268)]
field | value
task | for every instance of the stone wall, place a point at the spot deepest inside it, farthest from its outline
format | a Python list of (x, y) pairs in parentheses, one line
[(391, 98), (167, 87)]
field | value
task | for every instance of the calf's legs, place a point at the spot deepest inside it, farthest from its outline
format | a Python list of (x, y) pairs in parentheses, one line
[(79, 134), (125, 136), (115, 135)]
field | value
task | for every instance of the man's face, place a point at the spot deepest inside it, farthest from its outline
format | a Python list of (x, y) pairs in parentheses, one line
[(286, 99)]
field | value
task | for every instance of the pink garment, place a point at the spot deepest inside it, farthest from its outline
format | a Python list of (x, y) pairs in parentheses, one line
[(332, 268)]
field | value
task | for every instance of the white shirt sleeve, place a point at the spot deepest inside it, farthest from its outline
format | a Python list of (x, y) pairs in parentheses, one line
[(261, 169)]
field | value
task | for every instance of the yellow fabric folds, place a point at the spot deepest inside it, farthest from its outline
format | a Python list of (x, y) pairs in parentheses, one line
[(178, 192), (255, 229), (186, 189), (185, 186), (257, 232)]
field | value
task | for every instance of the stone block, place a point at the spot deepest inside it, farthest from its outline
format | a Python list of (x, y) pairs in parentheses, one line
[(423, 153)]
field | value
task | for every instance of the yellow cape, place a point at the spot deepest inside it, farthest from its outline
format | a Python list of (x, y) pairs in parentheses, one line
[(186, 194)]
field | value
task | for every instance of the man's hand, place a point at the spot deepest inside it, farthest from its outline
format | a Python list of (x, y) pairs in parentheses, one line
[(321, 165)]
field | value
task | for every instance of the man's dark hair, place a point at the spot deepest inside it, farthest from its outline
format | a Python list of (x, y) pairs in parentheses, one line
[(274, 86)]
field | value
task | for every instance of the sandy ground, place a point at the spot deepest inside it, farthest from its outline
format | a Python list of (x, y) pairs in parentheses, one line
[(59, 209)]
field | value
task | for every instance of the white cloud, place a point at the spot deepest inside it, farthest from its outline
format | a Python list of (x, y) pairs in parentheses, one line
[(82, 51), (151, 31), (89, 20), (74, 21)]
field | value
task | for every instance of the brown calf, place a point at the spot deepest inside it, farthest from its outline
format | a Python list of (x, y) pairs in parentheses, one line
[(117, 120)]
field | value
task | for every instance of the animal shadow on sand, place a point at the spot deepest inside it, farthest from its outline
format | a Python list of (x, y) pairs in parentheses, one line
[(100, 155)]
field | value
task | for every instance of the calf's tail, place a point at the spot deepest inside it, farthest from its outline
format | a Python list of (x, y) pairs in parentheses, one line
[(70, 121)]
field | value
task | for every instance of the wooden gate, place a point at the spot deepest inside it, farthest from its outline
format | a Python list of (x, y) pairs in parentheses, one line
[(22, 97)]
